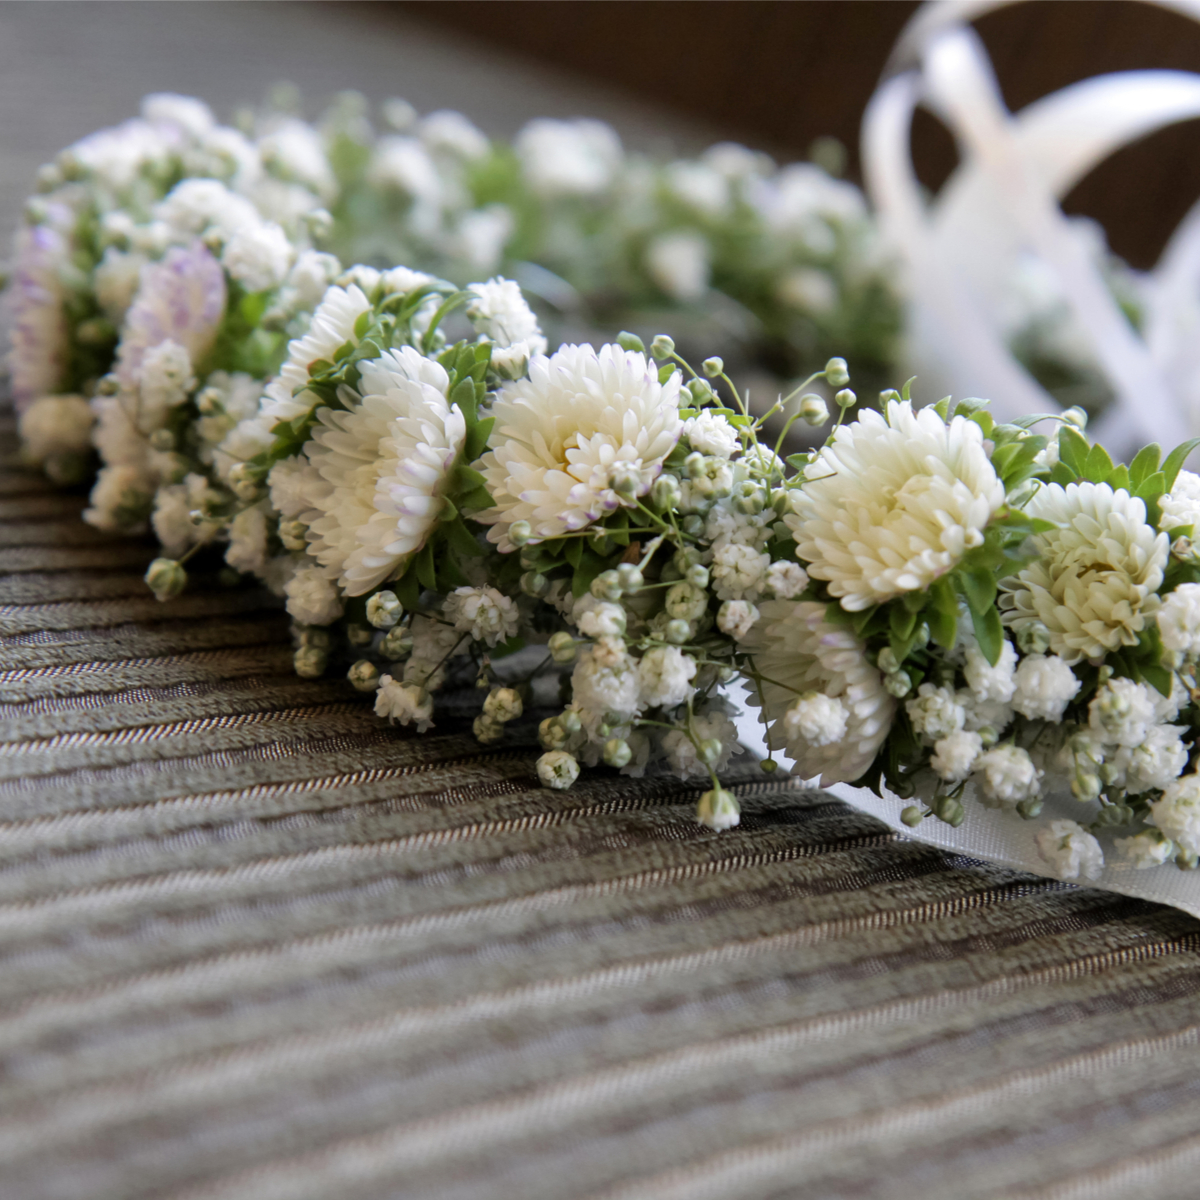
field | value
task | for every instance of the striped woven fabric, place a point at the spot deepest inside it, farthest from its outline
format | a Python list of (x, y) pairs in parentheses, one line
[(254, 945)]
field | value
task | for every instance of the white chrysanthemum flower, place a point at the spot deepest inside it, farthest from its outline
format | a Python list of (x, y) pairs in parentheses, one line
[(1045, 685), (935, 713), (248, 540), (679, 263), (1181, 505), (408, 703), (387, 461), (312, 599), (500, 312), (258, 256), (1122, 711), (987, 682), (713, 725), (1153, 762), (484, 613), (893, 503), (568, 158), (665, 675), (56, 425), (1145, 850), (819, 720), (801, 652), (1177, 812), (1070, 851), (1009, 776), (736, 618), (786, 580), (711, 433), (1179, 621), (1093, 585), (582, 422), (739, 572), (955, 755)]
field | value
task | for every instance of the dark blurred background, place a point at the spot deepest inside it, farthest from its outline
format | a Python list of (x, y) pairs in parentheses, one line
[(669, 73)]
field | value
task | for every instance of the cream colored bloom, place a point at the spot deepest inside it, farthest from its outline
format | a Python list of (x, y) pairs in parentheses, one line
[(586, 433), (894, 502), (1093, 585), (802, 653), (386, 462)]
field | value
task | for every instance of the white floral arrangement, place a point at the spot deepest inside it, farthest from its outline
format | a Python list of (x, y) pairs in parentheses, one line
[(931, 604)]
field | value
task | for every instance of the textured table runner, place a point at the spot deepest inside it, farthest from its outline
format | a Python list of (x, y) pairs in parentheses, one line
[(256, 945)]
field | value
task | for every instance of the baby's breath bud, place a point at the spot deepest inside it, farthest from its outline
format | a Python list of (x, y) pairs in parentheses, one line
[(562, 647), (813, 409), (665, 492), (359, 635), (677, 632), (951, 811), (898, 684), (310, 662), (617, 752), (364, 675), (769, 766), (534, 583), (291, 534), (708, 751), (713, 367), (551, 734), (1183, 548), (630, 578), (607, 586), (887, 661), (692, 525), (625, 480), (912, 816), (989, 735), (384, 610), (312, 635), (686, 557), (503, 704), (1076, 416), (837, 373), (109, 385), (162, 440), (663, 346), (1033, 638), (686, 601), (1029, 809), (718, 809), (701, 391), (398, 643), (519, 532), (487, 731), (166, 578), (694, 465), (569, 720), (749, 499), (631, 341), (845, 398), (557, 769), (697, 575), (245, 481), (210, 402)]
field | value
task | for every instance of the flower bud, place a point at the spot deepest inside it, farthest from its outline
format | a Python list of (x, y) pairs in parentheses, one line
[(569, 720), (487, 732), (384, 610), (951, 811), (166, 578), (312, 635), (562, 647), (292, 535), (629, 576), (677, 632), (625, 480), (769, 766), (551, 734), (364, 675), (398, 643), (245, 481), (718, 809), (701, 392), (837, 374), (162, 440), (1183, 548), (210, 401), (887, 661), (1033, 638), (557, 769), (1029, 809), (697, 575), (898, 684), (1076, 416), (662, 346), (708, 751), (535, 584), (109, 385), (748, 499), (694, 465), (912, 816), (310, 662), (519, 533), (813, 410), (692, 525), (503, 704), (359, 635), (845, 398), (631, 341), (665, 492), (607, 586), (686, 602), (713, 367), (617, 752)]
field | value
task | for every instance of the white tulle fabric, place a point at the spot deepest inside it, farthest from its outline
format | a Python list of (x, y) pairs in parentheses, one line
[(957, 252)]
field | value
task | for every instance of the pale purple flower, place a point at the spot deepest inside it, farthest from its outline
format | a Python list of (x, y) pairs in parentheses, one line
[(37, 362)]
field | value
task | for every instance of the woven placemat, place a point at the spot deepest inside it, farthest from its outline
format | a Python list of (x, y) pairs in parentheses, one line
[(254, 944)]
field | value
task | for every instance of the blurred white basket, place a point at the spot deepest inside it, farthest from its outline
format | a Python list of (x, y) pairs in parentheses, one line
[(959, 252)]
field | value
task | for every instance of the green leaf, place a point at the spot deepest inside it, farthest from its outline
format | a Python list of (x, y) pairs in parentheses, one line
[(666, 371), (425, 567), (1158, 677), (450, 574), (362, 324), (901, 622), (989, 633), (942, 614), (477, 439), (1073, 449), (462, 539), (1176, 459), (590, 565), (476, 500), (573, 552), (979, 587), (1118, 477), (1062, 474), (1097, 465), (1145, 463), (463, 394), (970, 406), (504, 649), (942, 408), (407, 590)]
